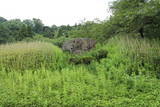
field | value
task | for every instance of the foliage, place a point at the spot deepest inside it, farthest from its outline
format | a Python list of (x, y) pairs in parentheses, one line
[(128, 16), (90, 29), (5, 35), (137, 16), (88, 57), (14, 30), (17, 30), (104, 83)]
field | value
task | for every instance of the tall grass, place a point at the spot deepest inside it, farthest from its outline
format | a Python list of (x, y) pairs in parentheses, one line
[(144, 54), (34, 55), (77, 87), (137, 54)]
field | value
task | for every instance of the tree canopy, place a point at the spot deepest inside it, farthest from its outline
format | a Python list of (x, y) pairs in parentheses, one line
[(140, 17)]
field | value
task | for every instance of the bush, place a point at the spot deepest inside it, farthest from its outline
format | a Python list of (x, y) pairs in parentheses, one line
[(87, 58)]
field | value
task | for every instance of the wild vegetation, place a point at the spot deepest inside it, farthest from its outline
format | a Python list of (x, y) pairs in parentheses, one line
[(123, 70), (127, 77)]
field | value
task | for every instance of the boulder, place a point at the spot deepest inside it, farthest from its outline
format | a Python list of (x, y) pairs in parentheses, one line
[(79, 45)]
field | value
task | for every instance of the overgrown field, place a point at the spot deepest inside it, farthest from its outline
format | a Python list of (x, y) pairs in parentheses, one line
[(40, 75)]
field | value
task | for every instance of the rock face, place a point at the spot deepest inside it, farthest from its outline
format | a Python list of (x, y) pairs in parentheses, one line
[(79, 45)]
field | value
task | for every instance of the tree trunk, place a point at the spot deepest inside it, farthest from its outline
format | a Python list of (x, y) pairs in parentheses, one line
[(141, 32)]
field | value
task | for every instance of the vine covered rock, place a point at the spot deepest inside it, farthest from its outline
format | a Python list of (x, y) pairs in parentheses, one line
[(79, 45)]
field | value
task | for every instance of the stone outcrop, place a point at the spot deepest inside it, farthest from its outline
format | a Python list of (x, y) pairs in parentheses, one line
[(79, 45)]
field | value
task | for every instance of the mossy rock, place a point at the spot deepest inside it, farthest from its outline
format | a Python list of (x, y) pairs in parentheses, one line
[(79, 45)]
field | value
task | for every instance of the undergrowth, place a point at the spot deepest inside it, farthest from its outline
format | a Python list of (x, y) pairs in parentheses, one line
[(127, 77)]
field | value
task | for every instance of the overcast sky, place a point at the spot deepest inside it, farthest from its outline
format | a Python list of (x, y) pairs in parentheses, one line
[(58, 12)]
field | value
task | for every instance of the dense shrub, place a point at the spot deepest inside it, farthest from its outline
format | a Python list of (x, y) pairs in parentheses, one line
[(87, 58)]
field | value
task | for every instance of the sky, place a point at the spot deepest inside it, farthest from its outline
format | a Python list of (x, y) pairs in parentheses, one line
[(58, 12)]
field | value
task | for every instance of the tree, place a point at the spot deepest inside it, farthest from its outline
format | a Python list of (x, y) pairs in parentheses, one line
[(47, 32), (136, 15), (63, 30), (25, 32), (38, 25), (18, 30), (29, 23), (5, 34)]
